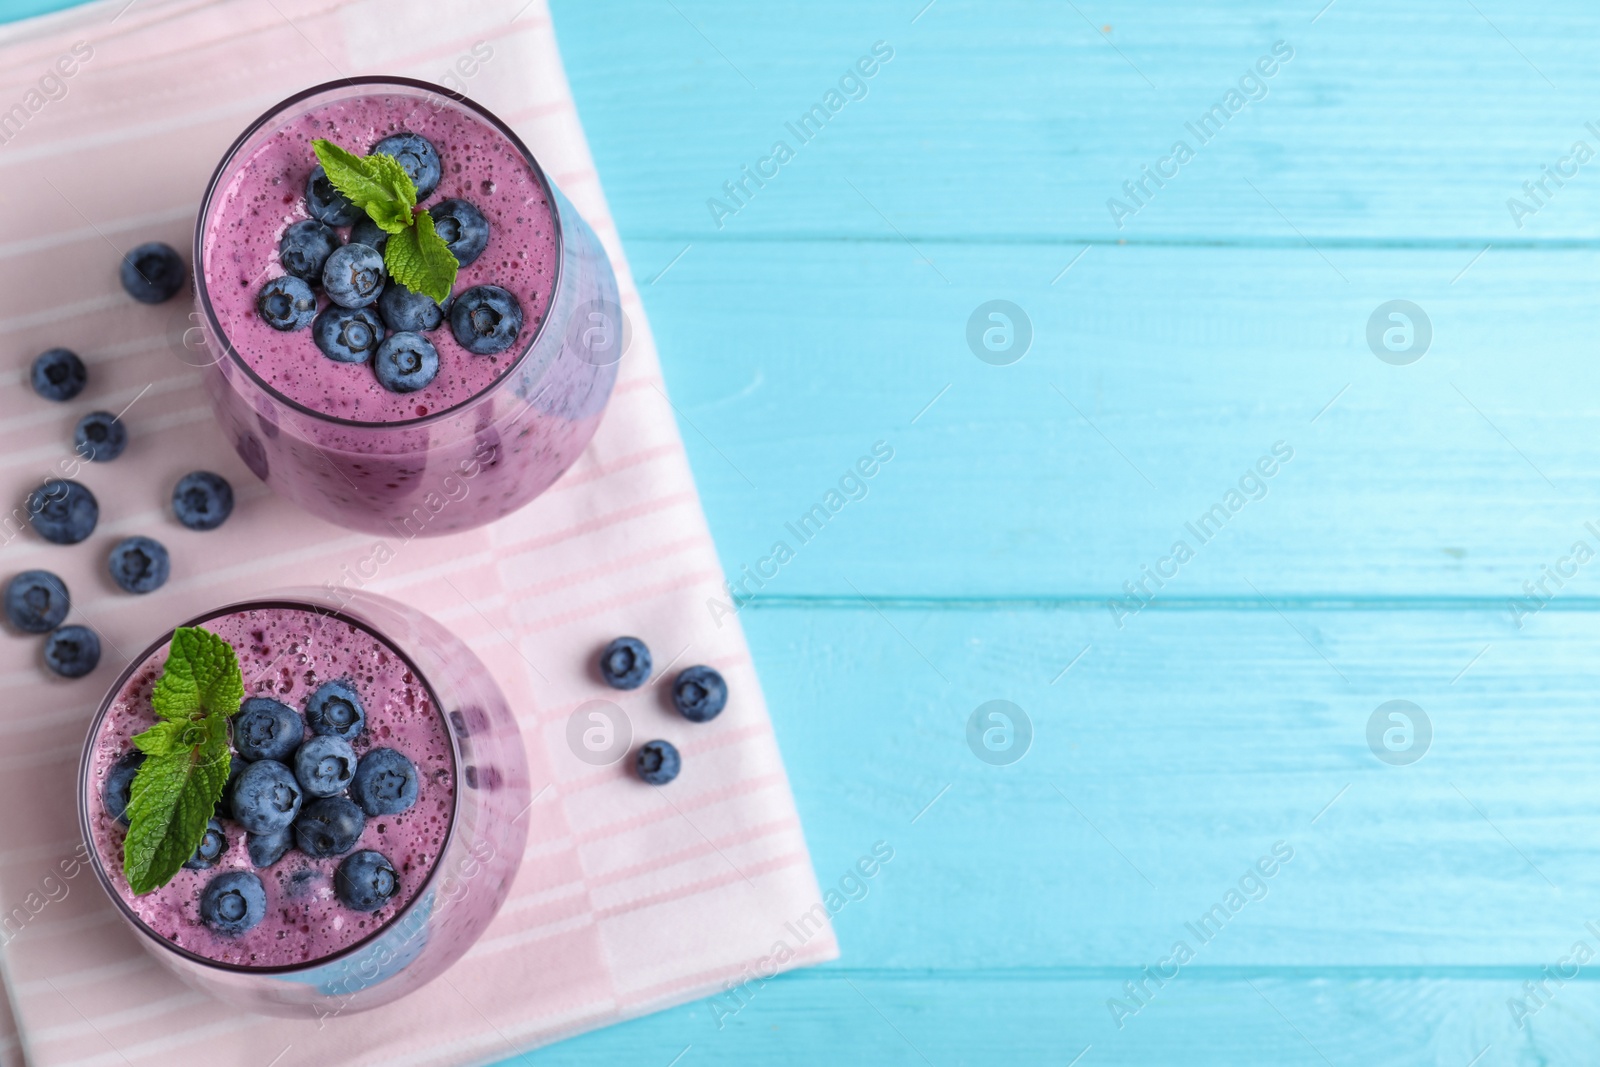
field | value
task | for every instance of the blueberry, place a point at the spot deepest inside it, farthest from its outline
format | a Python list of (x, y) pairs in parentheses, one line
[(287, 303), (224, 806), (347, 335), (410, 312), (329, 827), (305, 247), (369, 233), (699, 694), (267, 729), (202, 500), (58, 374), (210, 848), (153, 273), (417, 157), (324, 765), (72, 651), (36, 601), (265, 797), (100, 437), (353, 276), (486, 319), (385, 783), (63, 512), (335, 710), (657, 762), (326, 203), (405, 362), (118, 788), (267, 849), (234, 902), (140, 564), (462, 227), (365, 881), (625, 663)]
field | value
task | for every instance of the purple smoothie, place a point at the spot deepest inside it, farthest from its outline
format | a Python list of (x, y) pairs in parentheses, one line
[(285, 653)]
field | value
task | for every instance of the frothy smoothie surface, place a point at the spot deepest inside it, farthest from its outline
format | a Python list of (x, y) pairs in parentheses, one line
[(263, 194), (286, 653)]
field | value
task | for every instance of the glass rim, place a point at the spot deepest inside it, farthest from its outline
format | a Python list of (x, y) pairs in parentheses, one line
[(85, 762), (203, 293)]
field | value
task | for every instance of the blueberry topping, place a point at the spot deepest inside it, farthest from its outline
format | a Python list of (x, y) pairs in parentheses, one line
[(100, 437), (329, 827), (140, 564), (347, 335), (335, 710), (405, 362), (58, 374), (210, 848), (202, 500), (234, 902), (405, 311), (224, 806), (287, 303), (625, 663), (657, 762), (385, 783), (369, 233), (305, 247), (63, 512), (365, 881), (417, 157), (353, 276), (267, 849), (462, 227), (72, 651), (153, 273), (36, 601), (118, 788), (699, 694), (324, 765), (486, 319), (326, 203), (265, 797), (267, 729)]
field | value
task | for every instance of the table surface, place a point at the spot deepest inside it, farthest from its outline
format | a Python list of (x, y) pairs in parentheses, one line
[(1196, 715)]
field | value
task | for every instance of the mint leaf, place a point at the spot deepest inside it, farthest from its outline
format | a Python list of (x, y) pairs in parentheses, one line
[(202, 675), (377, 184), (418, 259)]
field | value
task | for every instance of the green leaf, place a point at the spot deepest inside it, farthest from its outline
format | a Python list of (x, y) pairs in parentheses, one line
[(418, 259), (377, 184), (164, 738), (173, 796), (202, 675), (395, 213)]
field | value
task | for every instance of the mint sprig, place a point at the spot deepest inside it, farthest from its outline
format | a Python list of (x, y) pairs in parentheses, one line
[(186, 757), (415, 255)]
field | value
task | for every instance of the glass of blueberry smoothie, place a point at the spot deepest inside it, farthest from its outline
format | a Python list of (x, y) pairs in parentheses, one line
[(360, 369), (371, 801)]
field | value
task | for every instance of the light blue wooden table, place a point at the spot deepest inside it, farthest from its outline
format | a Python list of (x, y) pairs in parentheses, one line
[(1414, 541)]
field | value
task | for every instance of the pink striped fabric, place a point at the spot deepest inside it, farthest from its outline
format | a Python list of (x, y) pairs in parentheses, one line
[(630, 899)]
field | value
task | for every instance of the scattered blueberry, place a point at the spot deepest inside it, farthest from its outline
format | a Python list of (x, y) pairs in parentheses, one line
[(462, 227), (267, 849), (326, 203), (72, 651), (369, 233), (365, 881), (267, 729), (347, 335), (353, 276), (153, 273), (335, 710), (140, 564), (58, 374), (265, 797), (329, 827), (625, 663), (486, 319), (202, 500), (234, 902), (417, 157), (305, 247), (405, 362), (210, 848), (100, 437), (385, 783), (405, 311), (699, 694), (287, 303), (36, 601), (63, 512), (224, 805), (658, 762), (324, 765), (118, 788)]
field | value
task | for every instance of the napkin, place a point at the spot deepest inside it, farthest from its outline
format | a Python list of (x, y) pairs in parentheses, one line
[(629, 898)]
